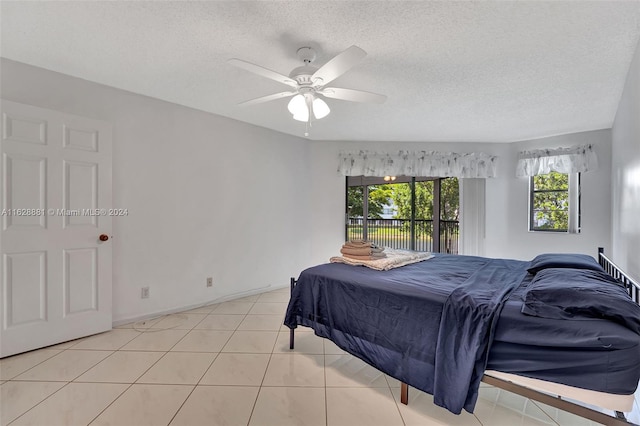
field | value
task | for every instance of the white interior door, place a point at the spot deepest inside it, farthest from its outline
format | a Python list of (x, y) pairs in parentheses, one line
[(56, 198)]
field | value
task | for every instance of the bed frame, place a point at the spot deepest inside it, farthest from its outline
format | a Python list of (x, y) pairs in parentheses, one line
[(506, 382)]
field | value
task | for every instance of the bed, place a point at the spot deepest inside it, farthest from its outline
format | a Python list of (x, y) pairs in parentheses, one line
[(560, 326)]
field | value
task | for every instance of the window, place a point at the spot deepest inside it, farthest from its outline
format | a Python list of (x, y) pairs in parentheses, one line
[(554, 202), (408, 213)]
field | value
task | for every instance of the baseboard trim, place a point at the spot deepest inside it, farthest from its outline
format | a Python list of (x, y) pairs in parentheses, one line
[(227, 298)]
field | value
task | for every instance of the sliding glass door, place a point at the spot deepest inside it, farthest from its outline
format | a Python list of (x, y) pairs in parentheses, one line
[(404, 212)]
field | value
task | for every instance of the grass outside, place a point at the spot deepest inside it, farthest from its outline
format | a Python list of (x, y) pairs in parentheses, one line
[(390, 238)]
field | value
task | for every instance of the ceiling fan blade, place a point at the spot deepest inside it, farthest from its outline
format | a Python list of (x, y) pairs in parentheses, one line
[(337, 66), (257, 69), (267, 98), (352, 95)]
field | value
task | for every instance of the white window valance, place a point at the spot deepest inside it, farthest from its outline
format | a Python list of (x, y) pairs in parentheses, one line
[(417, 163), (576, 159)]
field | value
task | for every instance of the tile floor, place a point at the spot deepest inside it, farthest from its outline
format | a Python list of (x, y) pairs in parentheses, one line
[(228, 364)]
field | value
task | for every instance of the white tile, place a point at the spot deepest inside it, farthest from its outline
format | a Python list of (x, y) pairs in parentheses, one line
[(232, 308), (141, 324), (74, 404), (217, 405), (281, 406), (237, 369), (220, 322), (349, 371), (107, 341), (362, 406), (269, 308), (278, 297), (203, 341), (564, 418), (304, 343), (18, 397), (251, 299), (393, 382), (144, 405), (206, 309), (261, 322), (65, 366), (128, 325), (158, 341), (422, 411), (180, 321), (295, 370), (11, 366), (331, 348), (64, 345), (251, 342), (499, 407), (179, 368), (121, 367)]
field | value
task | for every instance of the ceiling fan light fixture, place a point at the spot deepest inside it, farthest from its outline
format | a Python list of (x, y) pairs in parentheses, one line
[(309, 84), (304, 117), (298, 106), (320, 108)]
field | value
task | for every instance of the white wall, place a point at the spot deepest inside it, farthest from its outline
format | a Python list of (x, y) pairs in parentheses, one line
[(507, 232), (207, 196), (626, 174)]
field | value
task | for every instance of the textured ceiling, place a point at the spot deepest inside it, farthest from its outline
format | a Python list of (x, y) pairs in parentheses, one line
[(452, 71)]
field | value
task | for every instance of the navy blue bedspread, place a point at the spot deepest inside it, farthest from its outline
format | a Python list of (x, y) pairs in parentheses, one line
[(429, 324), (425, 324)]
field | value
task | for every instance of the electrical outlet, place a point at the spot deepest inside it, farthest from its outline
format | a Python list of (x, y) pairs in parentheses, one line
[(210, 282), (144, 293)]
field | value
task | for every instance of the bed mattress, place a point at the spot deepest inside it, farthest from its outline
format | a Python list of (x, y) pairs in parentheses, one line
[(594, 354), (387, 319)]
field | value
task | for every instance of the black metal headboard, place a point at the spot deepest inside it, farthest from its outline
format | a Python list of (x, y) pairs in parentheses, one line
[(614, 270)]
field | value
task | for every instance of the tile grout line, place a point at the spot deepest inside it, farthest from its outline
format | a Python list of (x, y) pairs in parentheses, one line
[(326, 396), (143, 373), (263, 377), (199, 381), (543, 410), (130, 384), (149, 368), (393, 396), (47, 397), (34, 366), (69, 382), (212, 361)]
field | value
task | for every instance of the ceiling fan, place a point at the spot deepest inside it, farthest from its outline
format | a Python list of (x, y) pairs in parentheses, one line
[(309, 83)]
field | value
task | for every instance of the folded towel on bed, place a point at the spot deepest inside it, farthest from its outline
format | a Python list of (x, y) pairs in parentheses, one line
[(364, 251), (359, 244), (373, 256), (394, 259)]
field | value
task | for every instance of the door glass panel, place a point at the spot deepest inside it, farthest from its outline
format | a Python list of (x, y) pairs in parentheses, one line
[(449, 215), (388, 211)]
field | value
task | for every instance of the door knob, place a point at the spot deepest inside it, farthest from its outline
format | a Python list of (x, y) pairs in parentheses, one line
[(103, 237)]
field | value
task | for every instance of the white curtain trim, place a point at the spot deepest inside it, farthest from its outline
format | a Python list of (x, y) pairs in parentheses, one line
[(576, 159), (417, 163)]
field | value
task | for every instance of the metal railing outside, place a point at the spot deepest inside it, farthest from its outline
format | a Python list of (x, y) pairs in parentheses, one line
[(396, 233)]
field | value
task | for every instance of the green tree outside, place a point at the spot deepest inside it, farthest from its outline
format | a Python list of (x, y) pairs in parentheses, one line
[(551, 202), (449, 199), (400, 194), (379, 196)]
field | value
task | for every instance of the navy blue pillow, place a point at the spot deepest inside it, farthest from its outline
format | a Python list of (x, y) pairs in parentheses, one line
[(563, 260), (580, 294)]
